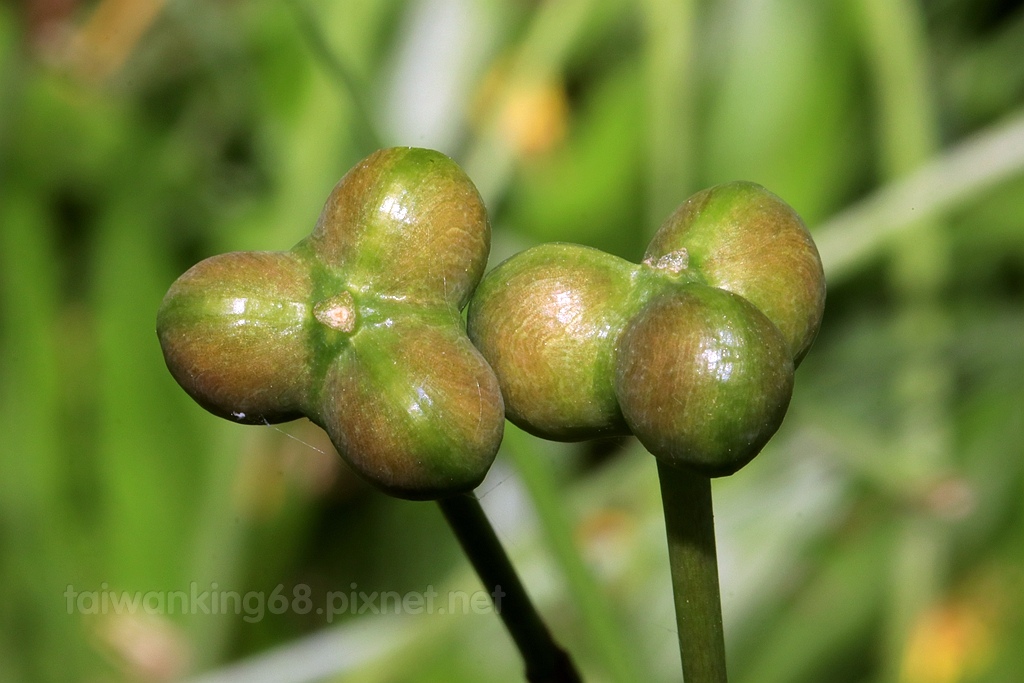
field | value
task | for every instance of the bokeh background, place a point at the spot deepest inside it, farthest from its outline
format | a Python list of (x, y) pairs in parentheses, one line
[(878, 538)]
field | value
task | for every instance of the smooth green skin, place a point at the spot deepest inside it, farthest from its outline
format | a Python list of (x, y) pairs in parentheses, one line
[(547, 320), (358, 328), (586, 344), (704, 379), (744, 239)]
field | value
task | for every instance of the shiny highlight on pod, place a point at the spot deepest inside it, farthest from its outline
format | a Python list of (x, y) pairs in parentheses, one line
[(358, 327), (692, 350)]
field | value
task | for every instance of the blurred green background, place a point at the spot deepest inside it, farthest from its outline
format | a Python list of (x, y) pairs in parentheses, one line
[(880, 535)]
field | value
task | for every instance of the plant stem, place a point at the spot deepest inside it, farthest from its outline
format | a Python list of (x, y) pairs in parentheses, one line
[(690, 524), (545, 661), (608, 637)]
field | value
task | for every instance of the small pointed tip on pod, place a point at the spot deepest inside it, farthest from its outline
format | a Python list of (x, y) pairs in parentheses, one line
[(704, 379), (748, 241), (547, 320), (233, 332)]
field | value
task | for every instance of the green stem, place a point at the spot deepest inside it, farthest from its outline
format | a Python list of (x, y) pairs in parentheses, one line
[(690, 524), (545, 661)]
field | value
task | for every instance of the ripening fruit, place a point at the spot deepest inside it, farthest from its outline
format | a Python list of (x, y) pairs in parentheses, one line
[(546, 321), (358, 328), (744, 239), (704, 379), (693, 350), (233, 332)]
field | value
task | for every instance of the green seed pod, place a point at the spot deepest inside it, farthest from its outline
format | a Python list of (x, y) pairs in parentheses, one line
[(234, 333), (427, 408), (744, 239), (692, 351), (357, 328), (547, 321), (704, 379), (406, 223)]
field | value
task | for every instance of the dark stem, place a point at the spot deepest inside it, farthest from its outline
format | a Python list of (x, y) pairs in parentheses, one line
[(545, 661), (690, 523)]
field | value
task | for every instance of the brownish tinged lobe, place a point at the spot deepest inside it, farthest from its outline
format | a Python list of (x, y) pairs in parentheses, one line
[(358, 328), (744, 239), (408, 226), (704, 379), (235, 330), (693, 350), (547, 321), (430, 405)]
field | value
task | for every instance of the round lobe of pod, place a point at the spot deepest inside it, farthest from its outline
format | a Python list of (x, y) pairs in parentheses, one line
[(234, 332), (548, 320), (744, 239), (414, 408), (409, 223), (703, 378)]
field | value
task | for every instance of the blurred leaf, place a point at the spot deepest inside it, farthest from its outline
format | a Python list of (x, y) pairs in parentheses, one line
[(587, 191), (36, 523), (781, 100), (811, 630)]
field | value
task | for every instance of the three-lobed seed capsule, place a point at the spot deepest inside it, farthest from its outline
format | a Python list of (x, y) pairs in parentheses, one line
[(358, 328), (692, 350)]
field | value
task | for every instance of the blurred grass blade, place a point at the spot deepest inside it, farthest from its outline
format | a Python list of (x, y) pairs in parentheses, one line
[(609, 641), (555, 27), (36, 521), (343, 75), (111, 35), (148, 463), (976, 165), (333, 652), (813, 629), (897, 49), (670, 105)]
